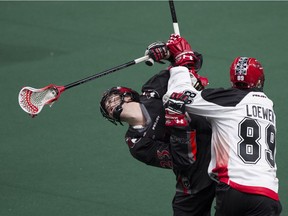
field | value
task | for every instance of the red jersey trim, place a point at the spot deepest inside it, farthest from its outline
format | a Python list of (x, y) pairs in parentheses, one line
[(193, 144), (251, 189), (223, 177)]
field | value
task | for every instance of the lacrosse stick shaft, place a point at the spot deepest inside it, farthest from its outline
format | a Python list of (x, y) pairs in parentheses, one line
[(174, 17), (32, 100), (150, 61), (111, 70)]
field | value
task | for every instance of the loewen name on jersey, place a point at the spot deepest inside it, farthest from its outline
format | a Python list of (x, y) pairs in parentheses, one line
[(260, 112)]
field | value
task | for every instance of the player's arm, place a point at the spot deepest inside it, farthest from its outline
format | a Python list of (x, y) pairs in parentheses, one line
[(177, 153), (179, 53), (147, 150)]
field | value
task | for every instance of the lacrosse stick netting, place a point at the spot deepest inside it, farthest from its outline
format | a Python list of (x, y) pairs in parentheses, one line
[(32, 100)]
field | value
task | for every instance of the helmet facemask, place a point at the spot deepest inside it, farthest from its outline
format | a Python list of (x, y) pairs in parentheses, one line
[(112, 101)]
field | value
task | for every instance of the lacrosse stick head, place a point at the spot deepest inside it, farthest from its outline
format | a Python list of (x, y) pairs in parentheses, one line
[(32, 100)]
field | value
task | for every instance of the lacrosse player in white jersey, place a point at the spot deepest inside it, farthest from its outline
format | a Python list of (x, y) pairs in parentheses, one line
[(243, 133)]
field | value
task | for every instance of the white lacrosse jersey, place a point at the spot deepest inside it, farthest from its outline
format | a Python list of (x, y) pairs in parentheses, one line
[(243, 133)]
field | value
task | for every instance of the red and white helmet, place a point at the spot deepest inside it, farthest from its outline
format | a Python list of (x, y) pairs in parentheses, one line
[(246, 72)]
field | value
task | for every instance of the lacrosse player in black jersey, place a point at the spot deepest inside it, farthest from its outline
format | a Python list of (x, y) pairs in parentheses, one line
[(243, 133), (183, 148)]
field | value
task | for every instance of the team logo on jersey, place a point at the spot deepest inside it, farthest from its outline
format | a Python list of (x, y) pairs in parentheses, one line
[(184, 185), (185, 182), (132, 141), (164, 158), (151, 94)]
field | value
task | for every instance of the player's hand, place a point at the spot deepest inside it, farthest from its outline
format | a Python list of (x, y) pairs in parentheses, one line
[(175, 114), (201, 83), (198, 82), (157, 51), (180, 50), (182, 53)]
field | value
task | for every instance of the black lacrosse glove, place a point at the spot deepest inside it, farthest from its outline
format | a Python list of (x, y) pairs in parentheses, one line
[(157, 51)]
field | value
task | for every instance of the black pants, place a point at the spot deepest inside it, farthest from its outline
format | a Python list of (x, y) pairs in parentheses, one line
[(198, 204), (232, 202)]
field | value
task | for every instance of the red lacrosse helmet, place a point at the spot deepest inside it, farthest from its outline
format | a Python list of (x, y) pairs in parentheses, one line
[(246, 73), (122, 92)]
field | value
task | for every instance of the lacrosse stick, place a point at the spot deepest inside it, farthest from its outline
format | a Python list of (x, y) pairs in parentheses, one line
[(174, 17), (32, 100), (150, 61)]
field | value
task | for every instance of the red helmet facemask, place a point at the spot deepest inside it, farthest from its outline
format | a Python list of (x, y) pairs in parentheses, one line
[(246, 73)]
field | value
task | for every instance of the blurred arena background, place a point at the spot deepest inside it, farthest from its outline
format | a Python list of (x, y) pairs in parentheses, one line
[(71, 161)]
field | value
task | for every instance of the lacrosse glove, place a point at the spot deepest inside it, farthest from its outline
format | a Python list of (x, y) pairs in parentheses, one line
[(157, 51), (175, 114), (182, 53)]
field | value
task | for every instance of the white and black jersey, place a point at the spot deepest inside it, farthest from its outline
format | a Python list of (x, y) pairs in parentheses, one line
[(243, 133)]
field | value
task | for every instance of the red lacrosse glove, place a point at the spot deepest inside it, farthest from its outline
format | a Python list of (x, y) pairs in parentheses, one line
[(175, 111), (204, 81), (181, 51), (198, 82)]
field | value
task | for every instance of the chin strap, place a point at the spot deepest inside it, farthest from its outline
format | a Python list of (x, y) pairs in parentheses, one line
[(117, 112)]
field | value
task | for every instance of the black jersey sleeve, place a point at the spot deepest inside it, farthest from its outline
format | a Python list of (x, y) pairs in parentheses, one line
[(150, 151), (166, 152), (150, 144)]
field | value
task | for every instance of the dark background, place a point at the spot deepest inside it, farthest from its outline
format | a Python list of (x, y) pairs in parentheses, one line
[(71, 161)]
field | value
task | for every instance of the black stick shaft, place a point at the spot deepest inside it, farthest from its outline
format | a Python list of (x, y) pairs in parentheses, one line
[(103, 73), (173, 12), (174, 17)]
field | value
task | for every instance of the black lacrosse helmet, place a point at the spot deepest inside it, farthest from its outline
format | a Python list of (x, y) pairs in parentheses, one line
[(122, 92)]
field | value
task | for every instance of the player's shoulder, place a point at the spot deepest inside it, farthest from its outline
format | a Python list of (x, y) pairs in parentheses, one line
[(258, 97), (223, 91), (157, 83), (224, 97)]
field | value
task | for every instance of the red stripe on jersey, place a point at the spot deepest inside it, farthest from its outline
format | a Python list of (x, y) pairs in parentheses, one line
[(184, 187), (193, 143), (222, 172), (223, 177), (251, 189)]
